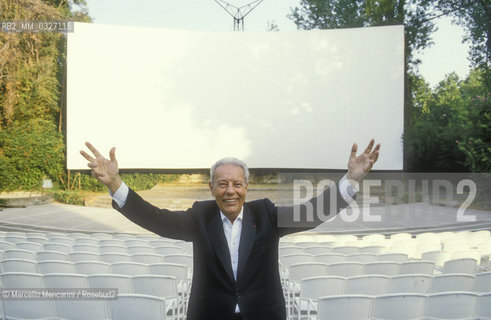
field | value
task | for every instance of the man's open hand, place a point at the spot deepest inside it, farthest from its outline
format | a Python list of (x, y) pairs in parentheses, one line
[(104, 170), (358, 167)]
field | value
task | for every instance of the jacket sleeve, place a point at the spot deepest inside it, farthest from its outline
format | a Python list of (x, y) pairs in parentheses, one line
[(166, 223), (310, 214)]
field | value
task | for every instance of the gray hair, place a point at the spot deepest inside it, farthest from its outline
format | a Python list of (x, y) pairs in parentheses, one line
[(229, 160)]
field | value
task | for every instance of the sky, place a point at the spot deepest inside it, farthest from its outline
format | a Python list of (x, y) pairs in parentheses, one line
[(446, 55)]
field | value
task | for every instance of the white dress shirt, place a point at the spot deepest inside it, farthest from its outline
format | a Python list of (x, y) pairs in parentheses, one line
[(232, 234)]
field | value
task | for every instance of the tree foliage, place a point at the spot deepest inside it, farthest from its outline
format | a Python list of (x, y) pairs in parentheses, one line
[(452, 129), (31, 79)]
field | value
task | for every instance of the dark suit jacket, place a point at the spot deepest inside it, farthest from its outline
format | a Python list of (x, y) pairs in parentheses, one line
[(214, 292)]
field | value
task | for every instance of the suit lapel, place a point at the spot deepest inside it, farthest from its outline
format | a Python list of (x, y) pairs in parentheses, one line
[(247, 237), (219, 243)]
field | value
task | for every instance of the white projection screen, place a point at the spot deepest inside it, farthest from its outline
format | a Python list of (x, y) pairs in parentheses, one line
[(180, 99)]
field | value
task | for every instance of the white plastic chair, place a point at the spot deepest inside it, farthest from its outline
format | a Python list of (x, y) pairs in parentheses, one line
[(373, 249), (367, 284), (314, 287), (462, 265), (354, 307), (84, 256), (438, 257), (59, 247), (345, 269), (315, 250), (362, 257), (410, 283), (19, 265), (130, 268), (147, 258), (453, 282), (451, 305), (118, 281), (330, 258), (85, 247), (184, 259), (483, 312), (30, 246), (115, 257), (417, 267), (137, 306), (92, 267), (140, 249), (483, 282), (386, 268), (346, 250), (399, 306), (397, 257), (113, 249), (54, 266), (162, 287), (52, 255), (65, 280), (295, 258), (19, 254)]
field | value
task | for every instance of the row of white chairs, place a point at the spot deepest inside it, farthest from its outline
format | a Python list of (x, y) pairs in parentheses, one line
[(405, 306), (80, 235), (126, 306), (413, 250), (314, 287), (88, 246), (180, 271), (143, 257), (442, 236), (353, 268)]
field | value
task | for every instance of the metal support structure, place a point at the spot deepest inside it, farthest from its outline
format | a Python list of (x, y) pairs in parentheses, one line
[(238, 13)]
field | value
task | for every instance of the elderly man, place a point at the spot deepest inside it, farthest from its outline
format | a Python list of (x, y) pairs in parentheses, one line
[(235, 243)]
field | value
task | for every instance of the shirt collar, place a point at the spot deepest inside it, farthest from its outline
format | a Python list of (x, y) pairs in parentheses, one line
[(239, 217)]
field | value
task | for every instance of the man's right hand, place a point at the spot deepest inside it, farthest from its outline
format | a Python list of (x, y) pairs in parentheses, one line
[(104, 170)]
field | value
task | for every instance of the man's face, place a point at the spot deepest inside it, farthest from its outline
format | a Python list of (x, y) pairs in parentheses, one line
[(229, 189)]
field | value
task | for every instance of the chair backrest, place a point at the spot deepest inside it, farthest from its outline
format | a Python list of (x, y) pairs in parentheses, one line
[(362, 257), (137, 306), (31, 246), (113, 249), (139, 249), (130, 268), (484, 309), (399, 306), (136, 242), (410, 283), (453, 282), (367, 284), (462, 265), (84, 256), (83, 247), (52, 255), (55, 266), (112, 242), (179, 271), (82, 309), (316, 250), (439, 257), (373, 249), (184, 259), (147, 258), (118, 281), (417, 267), (345, 307), (92, 267), (483, 282), (397, 257), (59, 247), (294, 258), (315, 287), (451, 305), (386, 268), (65, 280), (168, 249), (115, 257), (330, 258), (283, 251), (19, 254), (22, 280), (159, 286), (346, 250), (19, 265), (298, 271), (345, 269)]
